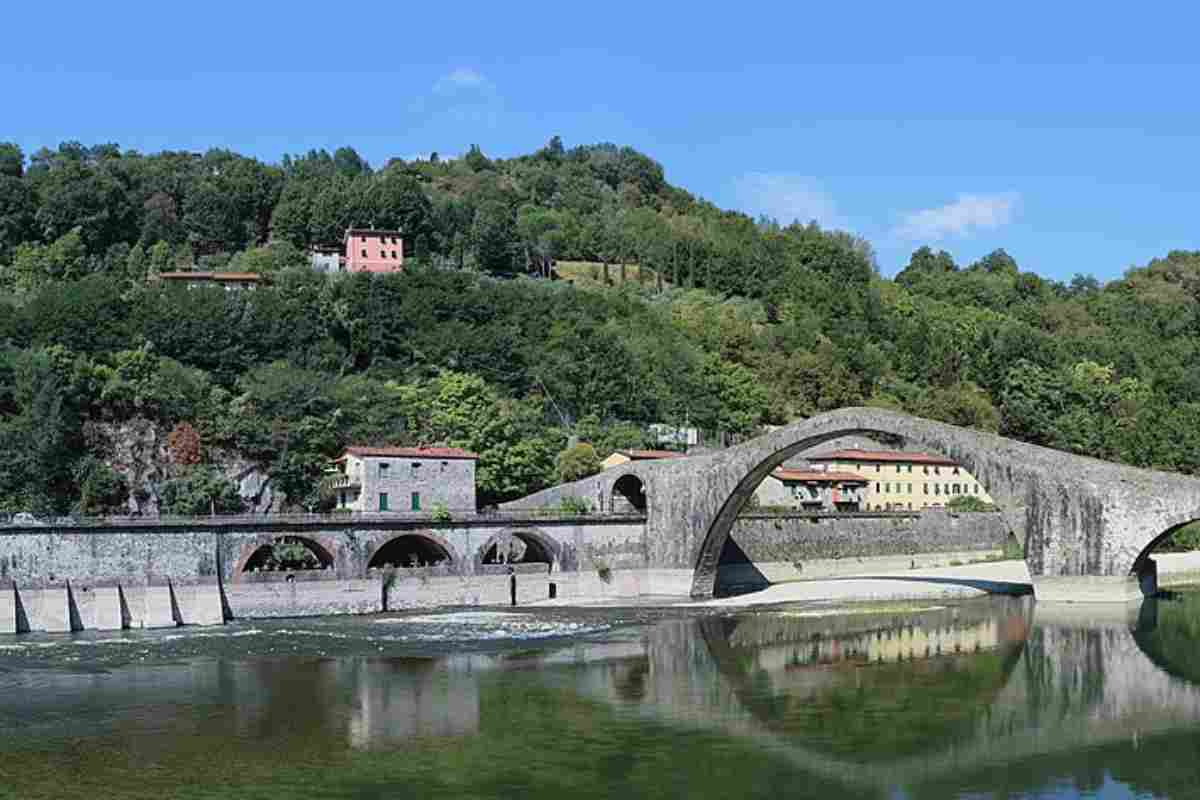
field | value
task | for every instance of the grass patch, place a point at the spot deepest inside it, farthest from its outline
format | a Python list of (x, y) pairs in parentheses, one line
[(590, 274)]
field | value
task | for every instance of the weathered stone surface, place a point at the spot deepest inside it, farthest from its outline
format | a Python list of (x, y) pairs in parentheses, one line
[(1074, 515), (798, 537), (138, 575)]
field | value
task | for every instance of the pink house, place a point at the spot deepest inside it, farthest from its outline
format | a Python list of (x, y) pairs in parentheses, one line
[(373, 251)]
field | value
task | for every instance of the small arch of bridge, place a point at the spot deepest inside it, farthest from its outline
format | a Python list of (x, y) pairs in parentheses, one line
[(423, 548), (628, 495), (255, 555), (1173, 524), (538, 547)]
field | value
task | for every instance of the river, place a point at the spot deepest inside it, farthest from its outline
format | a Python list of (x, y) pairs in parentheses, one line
[(990, 698)]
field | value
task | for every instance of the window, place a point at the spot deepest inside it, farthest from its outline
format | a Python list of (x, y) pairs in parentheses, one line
[(393, 254), (910, 488), (364, 252), (937, 488), (877, 468), (383, 501), (937, 471), (383, 469), (416, 468), (926, 488), (977, 488), (925, 469), (364, 239), (416, 501), (876, 488), (887, 488)]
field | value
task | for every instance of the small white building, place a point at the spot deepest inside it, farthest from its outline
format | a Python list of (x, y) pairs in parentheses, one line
[(405, 479)]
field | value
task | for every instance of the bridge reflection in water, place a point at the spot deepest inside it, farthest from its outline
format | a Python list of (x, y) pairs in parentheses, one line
[(928, 699), (997, 695)]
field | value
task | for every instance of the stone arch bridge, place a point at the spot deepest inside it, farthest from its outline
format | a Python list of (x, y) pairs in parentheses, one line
[(118, 573), (1087, 525)]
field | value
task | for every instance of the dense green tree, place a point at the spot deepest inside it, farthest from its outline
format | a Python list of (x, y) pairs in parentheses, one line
[(200, 490), (576, 462), (706, 318)]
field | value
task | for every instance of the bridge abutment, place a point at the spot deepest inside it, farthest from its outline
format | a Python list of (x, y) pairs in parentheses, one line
[(1055, 589)]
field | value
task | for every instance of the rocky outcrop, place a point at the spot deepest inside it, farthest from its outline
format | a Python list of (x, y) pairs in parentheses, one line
[(137, 449)]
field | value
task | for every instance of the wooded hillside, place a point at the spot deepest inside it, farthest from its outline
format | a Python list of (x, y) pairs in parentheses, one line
[(753, 323)]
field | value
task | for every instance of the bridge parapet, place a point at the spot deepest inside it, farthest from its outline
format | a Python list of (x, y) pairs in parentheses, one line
[(26, 523)]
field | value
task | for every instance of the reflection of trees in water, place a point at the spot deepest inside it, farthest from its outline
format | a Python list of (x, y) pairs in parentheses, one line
[(1173, 642), (630, 678), (896, 687)]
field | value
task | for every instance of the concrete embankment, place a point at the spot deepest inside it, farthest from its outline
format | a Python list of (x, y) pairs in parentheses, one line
[(767, 549)]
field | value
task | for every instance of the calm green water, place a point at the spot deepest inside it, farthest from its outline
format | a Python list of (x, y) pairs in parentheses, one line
[(989, 699)]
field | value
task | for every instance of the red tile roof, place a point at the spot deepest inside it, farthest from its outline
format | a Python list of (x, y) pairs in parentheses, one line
[(888, 456), (645, 455), (816, 475), (411, 452)]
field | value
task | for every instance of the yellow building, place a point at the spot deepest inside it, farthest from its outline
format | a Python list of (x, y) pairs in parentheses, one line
[(899, 481), (620, 457)]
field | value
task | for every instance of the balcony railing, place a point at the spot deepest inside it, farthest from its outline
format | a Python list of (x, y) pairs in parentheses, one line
[(345, 482)]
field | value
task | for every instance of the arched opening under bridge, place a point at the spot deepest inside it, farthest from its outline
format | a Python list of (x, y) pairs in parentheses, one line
[(410, 550), (628, 495), (827, 478), (1180, 538), (289, 554), (518, 547)]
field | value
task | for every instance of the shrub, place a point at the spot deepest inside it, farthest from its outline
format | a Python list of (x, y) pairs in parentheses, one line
[(200, 490), (574, 505), (102, 490), (576, 462), (969, 503)]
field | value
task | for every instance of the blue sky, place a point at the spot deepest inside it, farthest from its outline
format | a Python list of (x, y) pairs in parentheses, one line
[(1065, 133)]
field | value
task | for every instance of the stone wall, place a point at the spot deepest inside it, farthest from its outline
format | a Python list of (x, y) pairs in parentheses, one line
[(92, 558), (804, 538)]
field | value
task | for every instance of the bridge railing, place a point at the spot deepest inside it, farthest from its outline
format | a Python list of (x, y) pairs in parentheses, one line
[(339, 519)]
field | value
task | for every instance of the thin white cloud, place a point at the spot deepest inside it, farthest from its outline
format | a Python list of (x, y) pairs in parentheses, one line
[(786, 197), (966, 215), (463, 78), (463, 96)]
